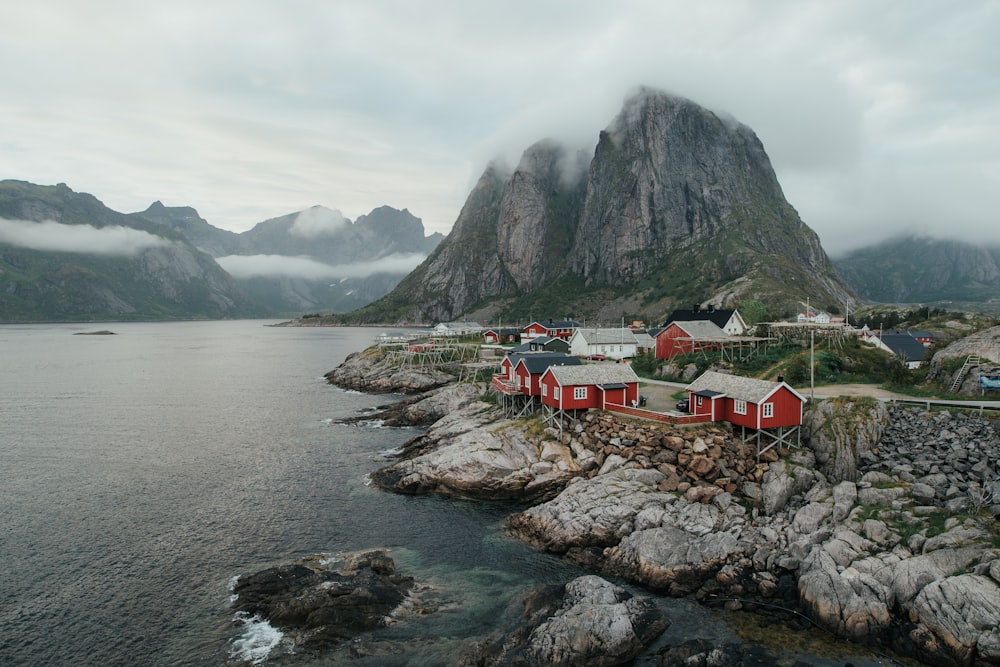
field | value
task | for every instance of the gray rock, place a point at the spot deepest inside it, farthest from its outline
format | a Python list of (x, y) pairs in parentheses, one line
[(594, 512), (953, 615), (849, 603), (922, 493)]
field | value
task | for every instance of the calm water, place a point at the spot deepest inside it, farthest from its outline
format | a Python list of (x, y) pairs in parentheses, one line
[(140, 472)]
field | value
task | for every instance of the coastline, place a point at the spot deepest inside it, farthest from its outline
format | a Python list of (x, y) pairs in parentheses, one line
[(868, 554)]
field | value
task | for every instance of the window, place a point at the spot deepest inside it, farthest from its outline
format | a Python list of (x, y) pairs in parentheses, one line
[(767, 410), (579, 393), (697, 401), (739, 406), (555, 392), (545, 389)]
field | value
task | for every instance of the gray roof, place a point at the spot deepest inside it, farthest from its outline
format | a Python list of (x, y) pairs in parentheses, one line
[(537, 362), (607, 336), (905, 346), (747, 389), (701, 329), (594, 374)]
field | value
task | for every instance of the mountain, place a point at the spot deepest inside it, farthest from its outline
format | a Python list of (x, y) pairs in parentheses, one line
[(676, 205), (64, 256), (311, 260), (919, 269)]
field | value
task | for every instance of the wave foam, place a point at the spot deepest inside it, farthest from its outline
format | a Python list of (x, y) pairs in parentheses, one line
[(257, 641)]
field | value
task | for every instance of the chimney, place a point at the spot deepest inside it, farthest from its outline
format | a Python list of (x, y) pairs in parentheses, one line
[(781, 378), (711, 307), (695, 308)]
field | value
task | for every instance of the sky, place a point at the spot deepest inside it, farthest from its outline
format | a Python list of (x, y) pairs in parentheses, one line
[(880, 117)]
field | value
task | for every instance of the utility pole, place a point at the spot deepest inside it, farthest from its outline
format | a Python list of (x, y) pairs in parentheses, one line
[(812, 366)]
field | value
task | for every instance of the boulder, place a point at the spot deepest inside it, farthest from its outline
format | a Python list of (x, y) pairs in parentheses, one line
[(319, 602), (954, 617), (596, 512), (846, 602), (467, 455), (592, 622)]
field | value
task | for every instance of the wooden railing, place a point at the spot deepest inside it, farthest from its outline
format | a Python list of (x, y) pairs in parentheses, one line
[(657, 416), (503, 386)]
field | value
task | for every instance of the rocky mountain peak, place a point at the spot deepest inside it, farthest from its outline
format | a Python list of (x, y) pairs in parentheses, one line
[(675, 204)]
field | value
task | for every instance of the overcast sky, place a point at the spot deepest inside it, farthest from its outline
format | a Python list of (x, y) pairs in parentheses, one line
[(879, 117)]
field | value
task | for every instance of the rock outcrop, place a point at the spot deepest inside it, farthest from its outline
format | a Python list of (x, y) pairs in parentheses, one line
[(983, 344), (319, 602), (840, 430), (374, 370), (588, 622)]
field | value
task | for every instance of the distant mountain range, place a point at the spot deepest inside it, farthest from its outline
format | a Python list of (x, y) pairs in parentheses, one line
[(312, 260), (920, 269), (64, 256), (675, 206)]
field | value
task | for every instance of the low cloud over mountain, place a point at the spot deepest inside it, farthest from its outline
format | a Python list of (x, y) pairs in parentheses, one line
[(251, 266), (51, 236)]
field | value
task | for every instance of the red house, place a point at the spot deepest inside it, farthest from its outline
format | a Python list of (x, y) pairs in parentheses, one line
[(589, 386), (679, 337), (505, 335), (562, 329), (768, 408), (522, 373)]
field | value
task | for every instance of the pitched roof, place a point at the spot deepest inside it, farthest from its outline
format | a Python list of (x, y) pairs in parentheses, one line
[(607, 336), (701, 329), (719, 316), (747, 389), (537, 362), (905, 346), (593, 374), (505, 331), (558, 324)]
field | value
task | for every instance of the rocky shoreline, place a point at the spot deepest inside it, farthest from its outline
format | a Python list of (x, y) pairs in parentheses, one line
[(880, 528)]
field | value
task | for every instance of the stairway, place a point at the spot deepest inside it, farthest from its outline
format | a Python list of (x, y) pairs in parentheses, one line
[(970, 361)]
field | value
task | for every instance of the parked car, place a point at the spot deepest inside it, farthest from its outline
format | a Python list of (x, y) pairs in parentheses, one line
[(597, 357), (683, 405)]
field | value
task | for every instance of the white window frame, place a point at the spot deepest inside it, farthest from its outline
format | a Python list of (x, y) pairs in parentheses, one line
[(545, 389), (767, 410), (697, 401), (579, 393), (739, 406), (555, 392)]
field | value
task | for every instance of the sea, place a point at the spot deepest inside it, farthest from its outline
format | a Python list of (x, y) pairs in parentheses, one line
[(142, 472)]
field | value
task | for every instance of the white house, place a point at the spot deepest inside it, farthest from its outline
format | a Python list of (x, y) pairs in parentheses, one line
[(457, 328), (610, 343), (814, 317)]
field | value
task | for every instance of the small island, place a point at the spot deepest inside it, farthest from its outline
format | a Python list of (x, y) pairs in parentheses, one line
[(102, 332)]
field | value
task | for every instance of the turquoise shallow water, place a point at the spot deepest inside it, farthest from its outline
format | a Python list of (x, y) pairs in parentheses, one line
[(141, 472)]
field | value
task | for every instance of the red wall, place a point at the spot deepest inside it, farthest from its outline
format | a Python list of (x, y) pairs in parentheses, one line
[(667, 345), (787, 410)]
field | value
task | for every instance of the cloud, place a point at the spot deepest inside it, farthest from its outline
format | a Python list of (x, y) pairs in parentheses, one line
[(53, 236), (872, 119), (317, 221), (274, 266)]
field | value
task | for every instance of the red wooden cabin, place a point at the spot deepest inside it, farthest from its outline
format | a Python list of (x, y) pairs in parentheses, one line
[(676, 338), (743, 401), (589, 386), (522, 372), (562, 329)]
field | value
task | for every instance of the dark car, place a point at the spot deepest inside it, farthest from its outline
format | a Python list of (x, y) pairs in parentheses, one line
[(683, 405)]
